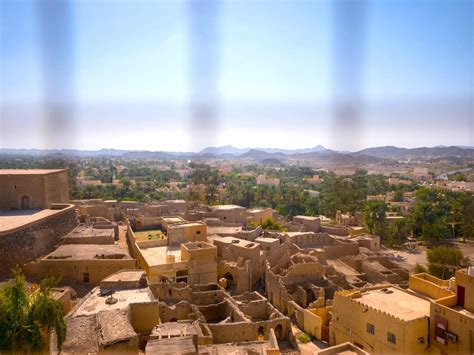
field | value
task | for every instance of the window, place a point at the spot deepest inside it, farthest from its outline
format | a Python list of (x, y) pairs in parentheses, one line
[(85, 277), (198, 232), (391, 338), (370, 328), (441, 334)]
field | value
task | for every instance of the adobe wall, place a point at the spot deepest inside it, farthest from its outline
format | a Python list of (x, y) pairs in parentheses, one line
[(144, 316), (340, 250), (42, 190), (247, 331), (56, 188), (98, 269), (27, 244), (341, 231), (180, 311), (94, 210), (310, 224), (97, 239), (13, 187)]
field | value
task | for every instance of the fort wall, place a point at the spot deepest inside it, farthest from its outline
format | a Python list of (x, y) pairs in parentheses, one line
[(22, 245)]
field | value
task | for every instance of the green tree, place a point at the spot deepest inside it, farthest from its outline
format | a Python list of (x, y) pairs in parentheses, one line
[(28, 315), (398, 196), (429, 214), (270, 224), (444, 261), (466, 211), (373, 216), (399, 230)]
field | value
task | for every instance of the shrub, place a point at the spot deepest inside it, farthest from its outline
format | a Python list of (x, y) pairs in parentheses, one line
[(444, 261), (418, 269), (303, 337)]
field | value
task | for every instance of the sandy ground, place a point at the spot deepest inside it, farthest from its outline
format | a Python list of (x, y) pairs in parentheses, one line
[(467, 249), (309, 348), (408, 258)]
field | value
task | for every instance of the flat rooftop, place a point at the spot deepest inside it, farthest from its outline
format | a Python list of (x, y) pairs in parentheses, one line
[(15, 219), (172, 219), (30, 171), (174, 329), (95, 303), (226, 207), (173, 345), (88, 252), (223, 230), (257, 210), (198, 245), (157, 255), (187, 224), (228, 240), (152, 234), (173, 201), (308, 218), (396, 302), (267, 240), (85, 231), (125, 275)]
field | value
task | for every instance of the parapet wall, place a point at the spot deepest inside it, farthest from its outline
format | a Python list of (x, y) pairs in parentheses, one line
[(336, 230), (24, 245)]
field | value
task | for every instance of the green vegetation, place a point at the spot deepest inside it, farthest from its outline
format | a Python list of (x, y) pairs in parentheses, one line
[(28, 314), (435, 211), (398, 231), (303, 338), (418, 269), (444, 261), (150, 235), (270, 224), (436, 215), (373, 216)]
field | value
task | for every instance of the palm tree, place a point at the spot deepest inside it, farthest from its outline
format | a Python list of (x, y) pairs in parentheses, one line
[(29, 314)]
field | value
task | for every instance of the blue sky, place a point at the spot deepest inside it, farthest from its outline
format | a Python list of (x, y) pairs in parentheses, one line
[(273, 75)]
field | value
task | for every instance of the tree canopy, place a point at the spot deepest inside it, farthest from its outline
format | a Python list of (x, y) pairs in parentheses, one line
[(28, 314)]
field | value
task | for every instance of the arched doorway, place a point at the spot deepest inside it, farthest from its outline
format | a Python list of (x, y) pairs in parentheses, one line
[(278, 331), (230, 281), (25, 202)]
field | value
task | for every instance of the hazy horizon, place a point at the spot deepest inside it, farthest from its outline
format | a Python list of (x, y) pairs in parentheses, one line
[(185, 75)]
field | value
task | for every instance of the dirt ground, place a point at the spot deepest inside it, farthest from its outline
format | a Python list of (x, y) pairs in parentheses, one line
[(409, 258)]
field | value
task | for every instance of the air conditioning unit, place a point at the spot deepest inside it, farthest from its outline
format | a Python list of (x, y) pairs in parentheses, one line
[(453, 338)]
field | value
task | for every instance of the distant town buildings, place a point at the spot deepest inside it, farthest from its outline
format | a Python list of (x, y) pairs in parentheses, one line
[(264, 180)]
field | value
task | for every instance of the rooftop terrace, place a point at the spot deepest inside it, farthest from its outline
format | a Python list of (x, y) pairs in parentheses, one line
[(157, 255), (29, 171), (95, 303), (396, 302), (11, 220), (88, 252)]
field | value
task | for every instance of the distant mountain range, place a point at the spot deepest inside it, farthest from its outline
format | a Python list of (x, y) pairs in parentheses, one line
[(228, 149), (423, 152), (317, 153)]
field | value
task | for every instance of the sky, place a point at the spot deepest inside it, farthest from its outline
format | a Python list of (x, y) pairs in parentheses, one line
[(183, 75)]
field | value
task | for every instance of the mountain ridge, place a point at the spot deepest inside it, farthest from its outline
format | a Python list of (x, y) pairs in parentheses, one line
[(229, 151)]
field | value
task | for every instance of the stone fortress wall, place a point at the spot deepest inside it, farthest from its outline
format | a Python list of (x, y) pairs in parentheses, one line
[(22, 245)]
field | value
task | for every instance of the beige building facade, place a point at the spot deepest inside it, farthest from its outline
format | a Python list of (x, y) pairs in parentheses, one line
[(32, 188)]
